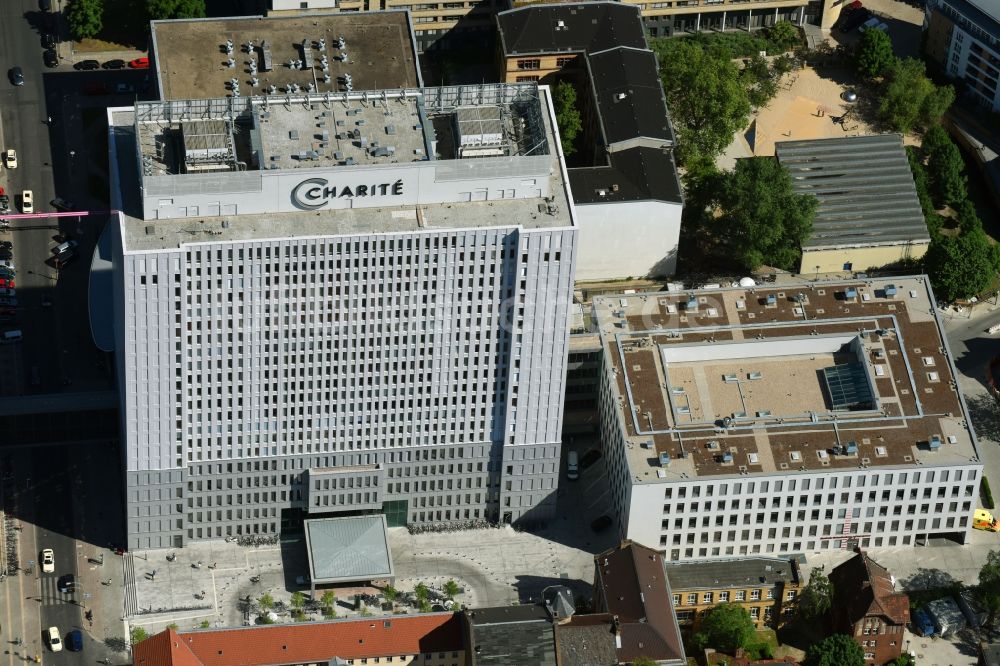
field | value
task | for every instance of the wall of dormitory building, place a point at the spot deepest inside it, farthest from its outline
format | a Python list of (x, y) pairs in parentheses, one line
[(965, 52)]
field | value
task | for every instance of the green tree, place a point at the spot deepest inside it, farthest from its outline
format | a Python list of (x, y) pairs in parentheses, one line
[(874, 54), (139, 635), (783, 33), (902, 660), (725, 627), (707, 98), (421, 592), (85, 18), (989, 585), (836, 650), (172, 625), (175, 9), (960, 266), (763, 220), (909, 99), (266, 602), (643, 661), (760, 80), (328, 599), (816, 597), (390, 593), (298, 601), (425, 606), (451, 589), (205, 624), (945, 167), (567, 116)]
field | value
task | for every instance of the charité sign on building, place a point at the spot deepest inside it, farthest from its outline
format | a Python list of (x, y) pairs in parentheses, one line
[(315, 193)]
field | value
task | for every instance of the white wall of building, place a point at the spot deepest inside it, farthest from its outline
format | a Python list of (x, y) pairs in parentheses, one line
[(627, 239)]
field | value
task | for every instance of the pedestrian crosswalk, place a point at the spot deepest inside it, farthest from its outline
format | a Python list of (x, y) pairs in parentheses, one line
[(50, 594)]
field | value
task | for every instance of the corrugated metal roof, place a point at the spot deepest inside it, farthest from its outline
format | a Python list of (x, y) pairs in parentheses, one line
[(864, 187)]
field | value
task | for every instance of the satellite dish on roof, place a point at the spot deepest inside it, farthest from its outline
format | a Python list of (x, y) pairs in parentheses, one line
[(748, 282)]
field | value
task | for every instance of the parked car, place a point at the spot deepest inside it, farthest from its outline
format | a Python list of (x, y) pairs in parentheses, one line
[(51, 58), (66, 583), (87, 65), (53, 639), (10, 158), (45, 5), (48, 561), (922, 623), (114, 64), (27, 202), (855, 18), (65, 259), (6, 283), (62, 204), (6, 245), (601, 524), (48, 40), (16, 76), (74, 640), (139, 63), (589, 458)]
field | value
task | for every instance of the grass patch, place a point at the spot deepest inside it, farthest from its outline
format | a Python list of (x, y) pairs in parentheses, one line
[(986, 493)]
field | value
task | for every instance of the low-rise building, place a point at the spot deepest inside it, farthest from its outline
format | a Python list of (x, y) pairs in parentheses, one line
[(867, 607), (434, 639), (869, 214), (768, 587), (625, 185)]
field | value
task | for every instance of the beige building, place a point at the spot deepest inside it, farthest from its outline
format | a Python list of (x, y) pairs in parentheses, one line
[(869, 215), (768, 587)]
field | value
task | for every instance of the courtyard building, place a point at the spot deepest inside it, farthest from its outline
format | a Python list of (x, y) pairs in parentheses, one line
[(784, 418), (867, 607)]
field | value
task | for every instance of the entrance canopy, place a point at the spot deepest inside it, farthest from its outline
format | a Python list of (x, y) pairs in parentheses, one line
[(348, 550)]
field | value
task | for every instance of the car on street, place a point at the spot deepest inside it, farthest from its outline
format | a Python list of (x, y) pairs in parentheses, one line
[(601, 524), (922, 624), (16, 76), (6, 283), (27, 202), (7, 264), (10, 158), (45, 5), (87, 65), (6, 245), (873, 24), (48, 40), (6, 254), (48, 561), (589, 458), (64, 260), (66, 583), (139, 63), (62, 204), (74, 640), (9, 293), (114, 64), (8, 302), (51, 58), (53, 639)]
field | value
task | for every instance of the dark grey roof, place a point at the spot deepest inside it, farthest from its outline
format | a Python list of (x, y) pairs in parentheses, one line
[(739, 572), (576, 27), (587, 640), (558, 601), (864, 187), (348, 549), (629, 96), (635, 174), (512, 635)]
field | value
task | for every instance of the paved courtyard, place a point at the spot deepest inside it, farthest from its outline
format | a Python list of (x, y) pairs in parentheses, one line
[(205, 582)]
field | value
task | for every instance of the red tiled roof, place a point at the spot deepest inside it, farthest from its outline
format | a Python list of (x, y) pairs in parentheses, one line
[(304, 643), (164, 649), (862, 587)]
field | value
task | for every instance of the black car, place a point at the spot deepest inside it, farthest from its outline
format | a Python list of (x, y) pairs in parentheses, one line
[(601, 524), (114, 64), (51, 58), (6, 245), (45, 5), (48, 40), (589, 458), (6, 254), (66, 583), (87, 65), (856, 18), (16, 76)]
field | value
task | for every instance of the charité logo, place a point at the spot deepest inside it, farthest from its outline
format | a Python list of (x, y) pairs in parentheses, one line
[(314, 193)]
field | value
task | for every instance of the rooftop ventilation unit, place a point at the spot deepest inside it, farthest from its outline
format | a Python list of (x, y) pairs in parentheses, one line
[(265, 49), (664, 459), (560, 25), (934, 443)]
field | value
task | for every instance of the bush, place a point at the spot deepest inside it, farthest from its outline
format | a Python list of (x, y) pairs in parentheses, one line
[(986, 494)]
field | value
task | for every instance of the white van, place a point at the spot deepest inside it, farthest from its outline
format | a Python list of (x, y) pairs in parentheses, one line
[(68, 246), (572, 466), (12, 336)]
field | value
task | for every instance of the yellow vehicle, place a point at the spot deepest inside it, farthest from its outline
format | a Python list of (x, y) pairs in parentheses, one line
[(984, 520)]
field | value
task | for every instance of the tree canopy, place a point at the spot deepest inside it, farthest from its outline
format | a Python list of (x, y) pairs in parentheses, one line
[(763, 220), (706, 96), (909, 99), (989, 584), (175, 9), (816, 597), (874, 54), (836, 650), (960, 266), (945, 167), (567, 116), (85, 18), (725, 627)]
